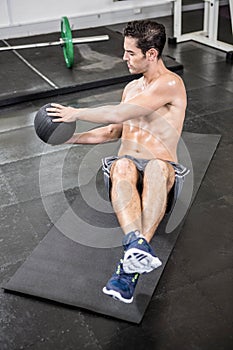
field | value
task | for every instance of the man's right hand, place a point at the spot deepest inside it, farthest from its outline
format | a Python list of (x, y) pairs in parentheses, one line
[(63, 114)]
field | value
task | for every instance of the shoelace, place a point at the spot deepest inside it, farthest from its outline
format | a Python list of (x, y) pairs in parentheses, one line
[(127, 277)]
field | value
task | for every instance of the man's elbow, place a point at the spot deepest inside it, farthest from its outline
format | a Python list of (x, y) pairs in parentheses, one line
[(124, 112), (116, 120), (117, 117), (114, 131)]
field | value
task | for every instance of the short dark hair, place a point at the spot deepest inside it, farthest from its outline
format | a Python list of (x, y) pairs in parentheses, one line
[(149, 34)]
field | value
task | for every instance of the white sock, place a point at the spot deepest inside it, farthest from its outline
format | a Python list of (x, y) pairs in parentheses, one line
[(138, 234)]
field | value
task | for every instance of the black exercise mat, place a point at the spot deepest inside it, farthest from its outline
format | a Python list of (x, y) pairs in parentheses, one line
[(78, 255), (96, 64)]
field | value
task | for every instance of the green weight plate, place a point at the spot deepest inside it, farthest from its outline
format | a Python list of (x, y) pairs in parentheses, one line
[(68, 48)]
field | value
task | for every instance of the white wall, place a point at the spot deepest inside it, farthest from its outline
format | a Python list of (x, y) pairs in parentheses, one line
[(31, 11), (30, 17), (4, 15)]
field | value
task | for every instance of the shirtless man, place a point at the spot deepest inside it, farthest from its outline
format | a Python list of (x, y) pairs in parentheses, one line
[(149, 121)]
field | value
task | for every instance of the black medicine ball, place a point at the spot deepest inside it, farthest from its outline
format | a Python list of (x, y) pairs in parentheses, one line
[(50, 132)]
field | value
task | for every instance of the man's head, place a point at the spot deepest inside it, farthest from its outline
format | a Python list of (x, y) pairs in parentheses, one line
[(148, 34)]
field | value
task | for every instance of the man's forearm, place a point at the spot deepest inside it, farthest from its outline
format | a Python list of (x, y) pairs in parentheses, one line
[(110, 114), (103, 114), (104, 134)]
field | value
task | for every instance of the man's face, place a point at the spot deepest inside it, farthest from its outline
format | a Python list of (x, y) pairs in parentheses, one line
[(136, 61)]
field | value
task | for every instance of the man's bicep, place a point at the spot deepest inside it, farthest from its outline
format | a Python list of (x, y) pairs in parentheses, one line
[(130, 110)]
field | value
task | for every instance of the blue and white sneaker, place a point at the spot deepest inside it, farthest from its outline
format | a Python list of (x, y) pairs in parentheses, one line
[(121, 285), (139, 256)]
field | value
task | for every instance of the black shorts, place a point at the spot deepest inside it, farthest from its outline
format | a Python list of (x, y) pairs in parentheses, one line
[(180, 173)]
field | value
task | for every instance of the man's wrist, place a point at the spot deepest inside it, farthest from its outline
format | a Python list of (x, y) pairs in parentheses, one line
[(79, 113)]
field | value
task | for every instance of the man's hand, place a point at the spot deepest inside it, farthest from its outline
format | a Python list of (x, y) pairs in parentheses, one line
[(64, 114)]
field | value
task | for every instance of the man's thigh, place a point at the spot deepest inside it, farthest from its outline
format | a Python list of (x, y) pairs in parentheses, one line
[(159, 171)]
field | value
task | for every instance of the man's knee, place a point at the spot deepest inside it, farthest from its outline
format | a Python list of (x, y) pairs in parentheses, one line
[(123, 168), (160, 170), (157, 167)]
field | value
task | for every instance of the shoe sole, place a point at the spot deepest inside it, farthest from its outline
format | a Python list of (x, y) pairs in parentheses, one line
[(116, 295), (138, 261)]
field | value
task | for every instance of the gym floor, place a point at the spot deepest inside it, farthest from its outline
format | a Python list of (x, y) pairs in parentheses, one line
[(192, 305)]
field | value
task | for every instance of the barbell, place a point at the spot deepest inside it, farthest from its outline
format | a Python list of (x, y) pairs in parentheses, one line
[(66, 42)]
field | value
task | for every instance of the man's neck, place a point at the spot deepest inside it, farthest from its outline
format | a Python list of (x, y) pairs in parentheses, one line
[(153, 72)]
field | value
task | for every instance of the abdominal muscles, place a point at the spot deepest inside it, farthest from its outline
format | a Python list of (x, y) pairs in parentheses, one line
[(142, 144)]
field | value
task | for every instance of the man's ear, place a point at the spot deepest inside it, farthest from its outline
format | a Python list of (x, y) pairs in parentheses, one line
[(152, 54)]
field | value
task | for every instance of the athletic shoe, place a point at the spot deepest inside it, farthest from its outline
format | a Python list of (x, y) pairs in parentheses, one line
[(121, 285), (139, 256)]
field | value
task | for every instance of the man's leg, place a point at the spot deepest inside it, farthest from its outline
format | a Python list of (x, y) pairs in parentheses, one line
[(126, 203), (125, 198), (139, 256), (158, 180)]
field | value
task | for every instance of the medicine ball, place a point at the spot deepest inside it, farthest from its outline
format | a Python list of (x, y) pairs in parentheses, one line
[(51, 132)]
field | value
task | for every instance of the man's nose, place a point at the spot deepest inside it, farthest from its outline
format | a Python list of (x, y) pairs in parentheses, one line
[(125, 56)]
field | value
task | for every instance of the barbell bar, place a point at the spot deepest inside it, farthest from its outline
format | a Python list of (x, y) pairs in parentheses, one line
[(66, 42)]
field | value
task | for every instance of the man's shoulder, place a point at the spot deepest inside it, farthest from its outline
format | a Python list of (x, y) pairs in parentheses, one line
[(131, 87), (170, 76), (169, 80), (133, 83)]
